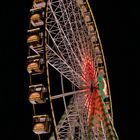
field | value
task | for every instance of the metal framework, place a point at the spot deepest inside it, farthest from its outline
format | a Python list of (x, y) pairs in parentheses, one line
[(71, 45)]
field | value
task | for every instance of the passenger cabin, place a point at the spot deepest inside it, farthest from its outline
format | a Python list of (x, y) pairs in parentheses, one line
[(37, 94), (99, 59), (107, 99), (41, 124), (94, 37), (36, 20), (83, 9), (80, 2), (33, 38), (35, 64), (91, 28), (38, 1), (97, 50), (87, 17), (101, 71), (38, 4)]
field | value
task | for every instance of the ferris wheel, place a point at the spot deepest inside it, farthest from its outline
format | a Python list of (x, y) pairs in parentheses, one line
[(69, 87)]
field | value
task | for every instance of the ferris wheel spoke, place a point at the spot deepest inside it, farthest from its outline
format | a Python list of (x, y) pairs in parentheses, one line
[(61, 66), (81, 33), (70, 26), (67, 48), (69, 94), (74, 119), (77, 116)]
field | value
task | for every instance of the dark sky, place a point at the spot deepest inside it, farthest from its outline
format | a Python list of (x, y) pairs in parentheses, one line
[(118, 26)]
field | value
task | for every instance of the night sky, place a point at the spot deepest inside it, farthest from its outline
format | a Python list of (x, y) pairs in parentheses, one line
[(118, 26)]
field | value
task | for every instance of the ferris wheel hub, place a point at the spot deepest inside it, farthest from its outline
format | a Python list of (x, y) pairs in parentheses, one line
[(91, 88)]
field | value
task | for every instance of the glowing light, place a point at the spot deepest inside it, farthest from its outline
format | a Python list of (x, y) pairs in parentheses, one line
[(104, 87)]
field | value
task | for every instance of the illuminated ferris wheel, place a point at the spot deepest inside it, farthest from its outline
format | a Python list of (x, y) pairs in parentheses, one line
[(63, 39)]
